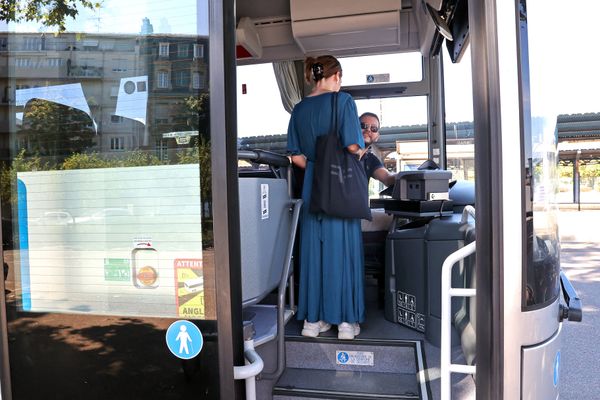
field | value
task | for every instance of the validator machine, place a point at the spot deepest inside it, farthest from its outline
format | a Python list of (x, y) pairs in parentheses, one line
[(428, 226)]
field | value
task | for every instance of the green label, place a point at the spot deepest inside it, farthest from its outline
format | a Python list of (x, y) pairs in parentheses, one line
[(117, 269)]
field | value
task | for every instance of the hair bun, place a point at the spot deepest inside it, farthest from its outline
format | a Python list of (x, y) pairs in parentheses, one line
[(317, 71)]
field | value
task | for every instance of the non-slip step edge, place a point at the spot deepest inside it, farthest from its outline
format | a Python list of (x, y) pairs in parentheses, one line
[(356, 341), (351, 384), (322, 394)]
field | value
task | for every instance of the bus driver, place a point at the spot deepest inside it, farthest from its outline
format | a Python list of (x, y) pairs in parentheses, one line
[(369, 123)]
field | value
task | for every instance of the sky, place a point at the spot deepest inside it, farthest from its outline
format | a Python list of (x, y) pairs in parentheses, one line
[(125, 16), (564, 73), (564, 59), (564, 62)]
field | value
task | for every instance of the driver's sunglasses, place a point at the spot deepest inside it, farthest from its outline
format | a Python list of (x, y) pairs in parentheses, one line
[(372, 128)]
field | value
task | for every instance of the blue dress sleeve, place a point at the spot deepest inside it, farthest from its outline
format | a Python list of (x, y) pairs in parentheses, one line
[(350, 132), (293, 142)]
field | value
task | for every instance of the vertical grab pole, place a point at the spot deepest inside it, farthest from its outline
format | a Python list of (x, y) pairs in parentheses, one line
[(297, 204), (446, 366)]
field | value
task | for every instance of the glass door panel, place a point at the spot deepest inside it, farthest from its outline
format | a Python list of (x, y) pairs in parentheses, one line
[(106, 202)]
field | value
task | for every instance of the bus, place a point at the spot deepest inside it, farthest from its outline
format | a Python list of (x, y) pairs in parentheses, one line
[(176, 116)]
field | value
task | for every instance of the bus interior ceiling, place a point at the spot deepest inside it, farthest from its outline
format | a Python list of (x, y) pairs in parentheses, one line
[(293, 29), (394, 356)]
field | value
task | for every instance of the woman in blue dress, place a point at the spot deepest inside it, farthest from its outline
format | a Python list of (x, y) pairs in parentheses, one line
[(331, 253)]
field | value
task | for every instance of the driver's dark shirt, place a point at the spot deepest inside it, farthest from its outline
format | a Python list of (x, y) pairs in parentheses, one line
[(371, 163)]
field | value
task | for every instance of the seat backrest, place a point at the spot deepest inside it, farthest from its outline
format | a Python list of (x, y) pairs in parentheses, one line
[(265, 223)]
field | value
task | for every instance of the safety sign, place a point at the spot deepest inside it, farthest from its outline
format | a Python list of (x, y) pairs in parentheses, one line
[(354, 358), (190, 288), (184, 339), (117, 269)]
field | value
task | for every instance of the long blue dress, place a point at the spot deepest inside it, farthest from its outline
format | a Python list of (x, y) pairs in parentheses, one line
[(331, 252)]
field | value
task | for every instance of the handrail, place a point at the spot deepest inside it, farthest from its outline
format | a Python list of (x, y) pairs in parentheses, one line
[(447, 293), (281, 294), (468, 210), (249, 371), (264, 157)]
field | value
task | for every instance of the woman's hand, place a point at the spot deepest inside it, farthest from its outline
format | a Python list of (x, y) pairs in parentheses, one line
[(299, 160), (354, 149)]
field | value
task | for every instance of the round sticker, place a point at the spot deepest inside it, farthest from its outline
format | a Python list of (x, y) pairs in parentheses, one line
[(147, 276), (184, 339)]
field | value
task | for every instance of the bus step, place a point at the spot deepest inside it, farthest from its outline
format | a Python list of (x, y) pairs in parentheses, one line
[(296, 383), (396, 356), (328, 368)]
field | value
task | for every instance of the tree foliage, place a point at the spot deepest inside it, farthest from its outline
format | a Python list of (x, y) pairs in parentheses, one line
[(56, 130), (196, 109), (589, 171), (21, 163), (136, 158), (565, 171), (51, 13)]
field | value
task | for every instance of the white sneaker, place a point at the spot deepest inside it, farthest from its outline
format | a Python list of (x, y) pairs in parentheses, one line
[(312, 329), (347, 331)]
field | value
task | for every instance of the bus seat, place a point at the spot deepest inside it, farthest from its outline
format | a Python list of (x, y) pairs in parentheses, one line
[(265, 223)]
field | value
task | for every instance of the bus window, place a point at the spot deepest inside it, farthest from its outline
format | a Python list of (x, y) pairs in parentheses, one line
[(460, 135), (542, 267), (386, 68), (259, 107), (403, 141)]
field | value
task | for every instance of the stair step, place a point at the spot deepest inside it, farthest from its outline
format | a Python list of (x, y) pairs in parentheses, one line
[(328, 368), (329, 384), (356, 355)]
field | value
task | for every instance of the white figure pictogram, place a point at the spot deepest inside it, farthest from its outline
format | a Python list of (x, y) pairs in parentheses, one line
[(183, 337)]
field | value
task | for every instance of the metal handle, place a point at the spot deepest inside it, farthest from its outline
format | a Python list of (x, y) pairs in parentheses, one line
[(448, 292), (249, 371), (467, 211), (264, 157)]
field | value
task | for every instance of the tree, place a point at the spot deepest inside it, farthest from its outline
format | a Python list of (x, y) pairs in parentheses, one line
[(56, 130), (51, 13), (196, 108)]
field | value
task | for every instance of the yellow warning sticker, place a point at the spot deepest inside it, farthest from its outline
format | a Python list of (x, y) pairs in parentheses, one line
[(190, 288)]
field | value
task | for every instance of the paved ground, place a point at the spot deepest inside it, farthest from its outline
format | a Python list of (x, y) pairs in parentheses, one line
[(580, 369)]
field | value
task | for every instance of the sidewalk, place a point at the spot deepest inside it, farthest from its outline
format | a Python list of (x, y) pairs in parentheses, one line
[(580, 340), (579, 226)]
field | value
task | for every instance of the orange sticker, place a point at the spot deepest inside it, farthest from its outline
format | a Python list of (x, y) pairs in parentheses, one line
[(147, 276)]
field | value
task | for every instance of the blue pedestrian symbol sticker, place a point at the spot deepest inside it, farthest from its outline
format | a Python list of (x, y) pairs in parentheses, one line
[(184, 339)]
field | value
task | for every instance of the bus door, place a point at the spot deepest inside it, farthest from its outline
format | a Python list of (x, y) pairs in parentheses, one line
[(518, 279), (119, 205)]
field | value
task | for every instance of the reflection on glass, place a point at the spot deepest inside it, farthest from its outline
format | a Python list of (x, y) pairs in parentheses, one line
[(106, 133), (105, 190), (541, 271)]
